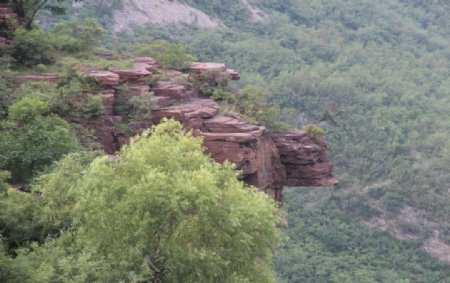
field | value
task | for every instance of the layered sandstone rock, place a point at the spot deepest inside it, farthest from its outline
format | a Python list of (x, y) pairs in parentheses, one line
[(104, 78), (305, 159), (199, 68), (263, 159), (38, 77)]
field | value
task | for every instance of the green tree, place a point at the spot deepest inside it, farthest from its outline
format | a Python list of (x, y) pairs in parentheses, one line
[(76, 36), (28, 9), (30, 141), (32, 47), (169, 56), (161, 210), (19, 223)]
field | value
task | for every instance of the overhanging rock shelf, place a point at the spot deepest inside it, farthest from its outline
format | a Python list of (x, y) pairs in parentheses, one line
[(266, 160)]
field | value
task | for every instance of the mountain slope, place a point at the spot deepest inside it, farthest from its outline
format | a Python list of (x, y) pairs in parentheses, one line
[(376, 76)]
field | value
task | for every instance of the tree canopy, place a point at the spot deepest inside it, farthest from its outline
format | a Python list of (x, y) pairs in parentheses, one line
[(160, 210)]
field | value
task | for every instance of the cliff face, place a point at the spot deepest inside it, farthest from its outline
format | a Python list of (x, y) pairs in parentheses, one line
[(266, 160)]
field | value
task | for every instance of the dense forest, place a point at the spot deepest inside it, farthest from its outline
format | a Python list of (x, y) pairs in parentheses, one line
[(375, 75)]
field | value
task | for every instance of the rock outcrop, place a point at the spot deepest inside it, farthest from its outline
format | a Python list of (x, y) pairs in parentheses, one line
[(263, 159)]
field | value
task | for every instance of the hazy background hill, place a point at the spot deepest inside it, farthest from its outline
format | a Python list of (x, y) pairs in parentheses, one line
[(376, 76)]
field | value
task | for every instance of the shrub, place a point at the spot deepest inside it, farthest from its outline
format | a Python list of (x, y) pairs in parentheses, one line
[(6, 264), (29, 142), (75, 96), (314, 130), (410, 228), (141, 106), (209, 82), (4, 177), (253, 103), (376, 192), (32, 47), (76, 36), (393, 202), (74, 101), (18, 222), (167, 55), (137, 108), (6, 96), (27, 109)]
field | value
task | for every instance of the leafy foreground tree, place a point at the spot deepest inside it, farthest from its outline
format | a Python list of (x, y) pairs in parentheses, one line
[(161, 211)]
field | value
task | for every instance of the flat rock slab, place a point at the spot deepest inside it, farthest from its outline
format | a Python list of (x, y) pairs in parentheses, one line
[(168, 88), (104, 78), (200, 67), (224, 124), (133, 74), (38, 77), (233, 75)]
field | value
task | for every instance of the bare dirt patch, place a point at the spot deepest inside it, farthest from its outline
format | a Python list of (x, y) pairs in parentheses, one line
[(161, 12)]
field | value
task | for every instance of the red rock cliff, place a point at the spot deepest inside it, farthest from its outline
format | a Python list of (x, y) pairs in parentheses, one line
[(265, 160)]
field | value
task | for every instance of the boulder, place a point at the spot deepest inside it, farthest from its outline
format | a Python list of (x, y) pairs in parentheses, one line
[(200, 67), (224, 124), (147, 63), (171, 89), (233, 75), (305, 159), (134, 74), (191, 113)]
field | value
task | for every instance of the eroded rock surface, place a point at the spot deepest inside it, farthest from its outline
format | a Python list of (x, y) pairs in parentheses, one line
[(265, 160), (305, 159)]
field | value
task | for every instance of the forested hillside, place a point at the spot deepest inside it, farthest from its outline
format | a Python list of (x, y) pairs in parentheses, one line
[(375, 76)]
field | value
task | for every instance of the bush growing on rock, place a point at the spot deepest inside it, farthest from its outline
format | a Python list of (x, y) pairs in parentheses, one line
[(141, 106), (212, 83), (168, 56), (253, 103), (75, 94), (314, 131), (32, 47)]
